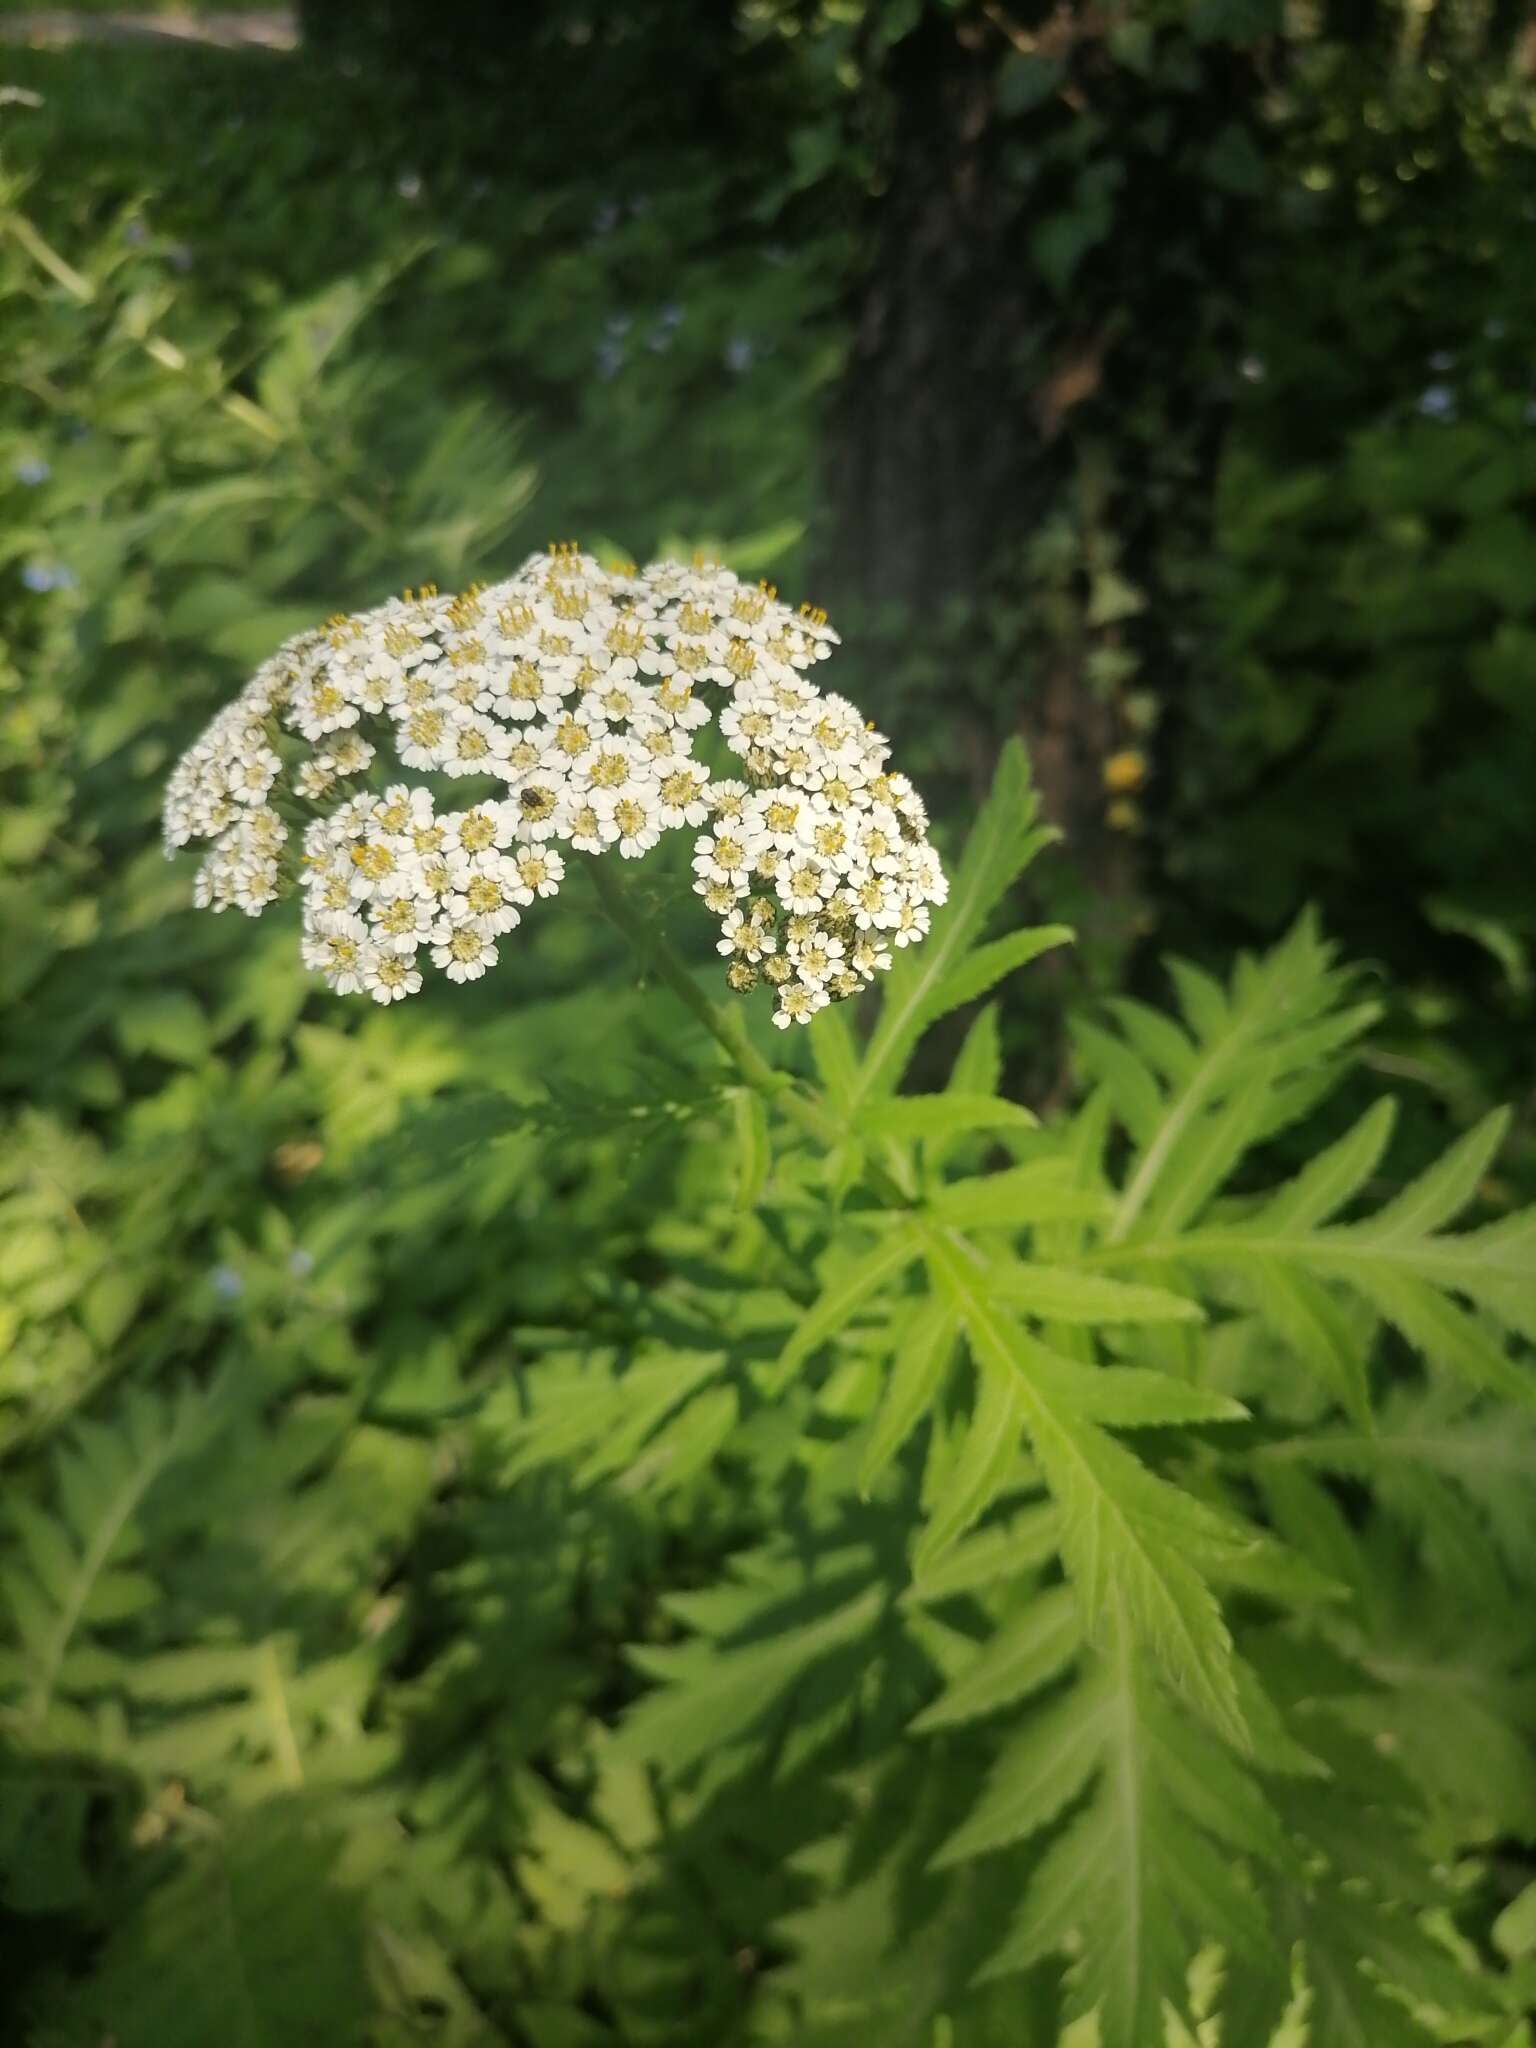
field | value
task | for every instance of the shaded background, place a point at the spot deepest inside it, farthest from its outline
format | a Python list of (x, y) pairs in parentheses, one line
[(1153, 380)]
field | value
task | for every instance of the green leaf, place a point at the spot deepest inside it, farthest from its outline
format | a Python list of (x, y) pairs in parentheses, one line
[(978, 1068), (1003, 841), (1330, 1180), (1062, 1295), (713, 1696), (76, 1566), (1206, 1150), (1400, 1261), (1136, 1397), (683, 1446), (917, 1376), (1042, 1192), (1441, 1192), (1129, 1083), (851, 1287), (1127, 1538), (1044, 1769), (254, 1939), (988, 1454), (638, 1403), (1282, 1021), (580, 1406), (1002, 1551), (1446, 1334), (1141, 1875), (168, 1023), (988, 965), (1157, 1040), (749, 1124), (836, 1056), (1303, 1312), (1025, 1653), (942, 1116)]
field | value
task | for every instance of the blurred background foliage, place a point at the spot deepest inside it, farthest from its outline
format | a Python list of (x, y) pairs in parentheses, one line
[(1151, 379)]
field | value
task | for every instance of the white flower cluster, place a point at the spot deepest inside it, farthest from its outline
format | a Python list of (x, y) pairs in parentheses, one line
[(572, 695)]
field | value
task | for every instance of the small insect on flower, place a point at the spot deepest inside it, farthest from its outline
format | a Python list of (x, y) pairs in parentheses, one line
[(562, 707)]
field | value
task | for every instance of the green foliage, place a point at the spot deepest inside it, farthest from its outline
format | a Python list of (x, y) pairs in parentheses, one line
[(1111, 1625), (1369, 593), (516, 1528), (942, 1506)]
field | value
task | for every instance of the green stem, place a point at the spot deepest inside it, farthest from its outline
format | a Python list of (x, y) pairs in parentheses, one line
[(656, 951)]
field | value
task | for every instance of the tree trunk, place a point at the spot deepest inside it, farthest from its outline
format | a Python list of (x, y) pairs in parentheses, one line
[(1023, 444)]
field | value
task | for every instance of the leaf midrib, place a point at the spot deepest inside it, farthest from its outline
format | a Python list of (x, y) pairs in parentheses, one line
[(93, 1561)]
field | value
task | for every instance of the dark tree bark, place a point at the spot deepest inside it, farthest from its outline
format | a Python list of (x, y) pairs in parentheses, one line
[(1044, 340)]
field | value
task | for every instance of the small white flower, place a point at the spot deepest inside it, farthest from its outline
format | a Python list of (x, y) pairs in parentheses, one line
[(683, 794), (726, 799), (911, 924), (338, 948), (798, 1004), (540, 871), (747, 937), (400, 923), (464, 951), (723, 856), (389, 977)]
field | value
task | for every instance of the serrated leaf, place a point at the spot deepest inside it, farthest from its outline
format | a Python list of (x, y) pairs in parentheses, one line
[(1127, 1538), (1002, 842), (1303, 1312), (1157, 1040), (1136, 1397), (943, 1116), (1272, 1038), (1042, 1770), (916, 1378), (1327, 1182), (1042, 1192), (712, 1696), (1128, 1082), (641, 1400), (987, 1458), (1135, 1882), (1063, 1295), (1442, 1191), (254, 1939), (73, 1575), (1001, 1552), (1446, 1333), (1408, 1279), (685, 1445), (988, 965), (1197, 1164), (853, 1285), (978, 1068), (836, 1056), (1027, 1652)]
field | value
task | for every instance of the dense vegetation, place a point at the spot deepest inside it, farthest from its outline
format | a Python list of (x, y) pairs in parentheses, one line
[(523, 1525)]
